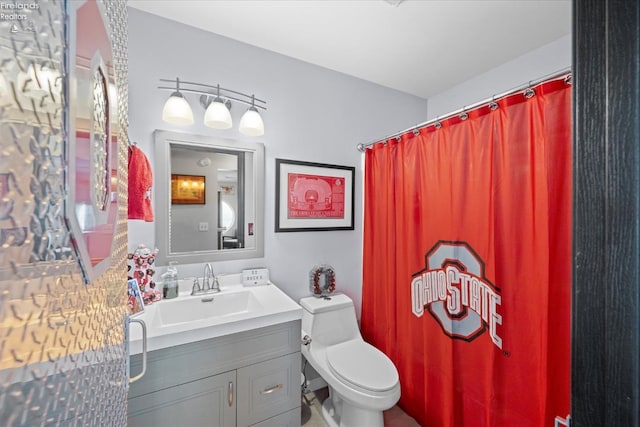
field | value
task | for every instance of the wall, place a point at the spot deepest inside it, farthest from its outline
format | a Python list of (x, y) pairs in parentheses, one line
[(548, 59), (314, 114)]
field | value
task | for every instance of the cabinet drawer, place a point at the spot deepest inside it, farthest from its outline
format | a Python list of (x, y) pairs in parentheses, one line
[(288, 419), (268, 389)]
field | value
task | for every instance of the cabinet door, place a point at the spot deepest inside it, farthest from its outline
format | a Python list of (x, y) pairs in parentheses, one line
[(268, 388), (206, 402)]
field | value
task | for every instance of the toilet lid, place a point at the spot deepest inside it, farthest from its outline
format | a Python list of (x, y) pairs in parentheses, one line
[(362, 365)]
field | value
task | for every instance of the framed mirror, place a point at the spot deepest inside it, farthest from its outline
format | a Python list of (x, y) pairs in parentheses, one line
[(209, 196)]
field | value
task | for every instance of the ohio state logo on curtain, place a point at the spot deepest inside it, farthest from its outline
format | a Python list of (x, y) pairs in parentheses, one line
[(455, 291)]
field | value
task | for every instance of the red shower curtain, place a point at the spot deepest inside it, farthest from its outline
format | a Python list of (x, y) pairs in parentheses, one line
[(467, 262)]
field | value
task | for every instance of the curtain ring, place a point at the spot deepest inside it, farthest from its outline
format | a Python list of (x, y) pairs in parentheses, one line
[(529, 93), (398, 138), (463, 115), (568, 80), (437, 125), (493, 105), (416, 132)]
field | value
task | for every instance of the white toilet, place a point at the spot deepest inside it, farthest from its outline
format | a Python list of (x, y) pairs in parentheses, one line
[(362, 380)]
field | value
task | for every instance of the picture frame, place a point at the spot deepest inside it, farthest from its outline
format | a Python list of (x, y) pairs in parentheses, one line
[(314, 196), (134, 297), (188, 189)]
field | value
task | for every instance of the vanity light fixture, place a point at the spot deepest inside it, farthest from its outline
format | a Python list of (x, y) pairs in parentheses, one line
[(217, 103)]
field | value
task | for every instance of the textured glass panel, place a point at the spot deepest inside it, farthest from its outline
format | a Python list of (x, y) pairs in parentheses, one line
[(62, 356)]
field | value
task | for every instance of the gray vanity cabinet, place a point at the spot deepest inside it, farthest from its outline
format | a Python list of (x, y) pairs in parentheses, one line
[(251, 378)]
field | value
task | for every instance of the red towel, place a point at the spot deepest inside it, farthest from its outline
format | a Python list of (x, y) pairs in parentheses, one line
[(140, 182)]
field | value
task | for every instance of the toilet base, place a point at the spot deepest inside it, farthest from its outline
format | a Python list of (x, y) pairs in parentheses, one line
[(350, 416)]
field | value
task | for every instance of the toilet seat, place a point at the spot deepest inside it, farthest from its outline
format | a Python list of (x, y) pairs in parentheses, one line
[(361, 365)]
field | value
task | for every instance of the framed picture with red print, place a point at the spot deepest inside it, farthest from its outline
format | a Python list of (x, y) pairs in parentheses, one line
[(313, 196)]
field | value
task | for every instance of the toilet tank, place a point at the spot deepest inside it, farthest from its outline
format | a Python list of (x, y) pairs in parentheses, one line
[(329, 321)]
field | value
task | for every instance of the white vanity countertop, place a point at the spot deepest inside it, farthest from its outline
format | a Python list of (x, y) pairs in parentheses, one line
[(235, 309)]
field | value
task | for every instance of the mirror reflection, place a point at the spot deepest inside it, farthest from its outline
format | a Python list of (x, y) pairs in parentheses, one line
[(91, 208), (208, 198), (205, 192)]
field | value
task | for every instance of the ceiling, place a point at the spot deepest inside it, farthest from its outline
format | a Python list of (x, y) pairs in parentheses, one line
[(421, 47)]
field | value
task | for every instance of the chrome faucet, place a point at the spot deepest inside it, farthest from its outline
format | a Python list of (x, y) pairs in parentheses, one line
[(208, 274), (210, 283)]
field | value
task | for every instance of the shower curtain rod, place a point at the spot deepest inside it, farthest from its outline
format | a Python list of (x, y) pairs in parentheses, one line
[(531, 83)]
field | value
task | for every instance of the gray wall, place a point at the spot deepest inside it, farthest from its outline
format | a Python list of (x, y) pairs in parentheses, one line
[(314, 114), (548, 59)]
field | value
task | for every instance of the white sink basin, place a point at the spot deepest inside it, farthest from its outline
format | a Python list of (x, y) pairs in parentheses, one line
[(207, 307), (189, 318)]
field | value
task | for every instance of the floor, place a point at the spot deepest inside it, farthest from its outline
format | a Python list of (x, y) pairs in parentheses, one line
[(312, 412)]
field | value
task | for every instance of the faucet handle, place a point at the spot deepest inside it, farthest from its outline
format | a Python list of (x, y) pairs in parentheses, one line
[(196, 286)]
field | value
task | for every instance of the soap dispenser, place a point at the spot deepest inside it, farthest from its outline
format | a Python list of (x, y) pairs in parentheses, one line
[(170, 282)]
